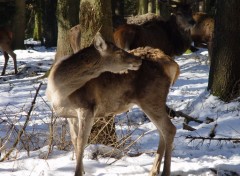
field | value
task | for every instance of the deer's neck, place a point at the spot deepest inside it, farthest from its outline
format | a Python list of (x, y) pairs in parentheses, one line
[(72, 73)]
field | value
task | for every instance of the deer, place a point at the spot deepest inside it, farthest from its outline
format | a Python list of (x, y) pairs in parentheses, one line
[(103, 80), (172, 36), (6, 37), (202, 32)]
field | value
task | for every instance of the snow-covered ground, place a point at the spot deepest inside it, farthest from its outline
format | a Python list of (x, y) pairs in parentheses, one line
[(189, 94)]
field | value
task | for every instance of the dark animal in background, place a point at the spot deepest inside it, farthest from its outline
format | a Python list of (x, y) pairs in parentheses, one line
[(202, 32), (171, 36)]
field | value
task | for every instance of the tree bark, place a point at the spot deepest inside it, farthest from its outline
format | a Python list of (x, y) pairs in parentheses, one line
[(143, 7), (19, 25), (164, 10), (157, 7), (224, 77), (50, 29), (151, 6), (67, 17), (95, 15), (37, 32)]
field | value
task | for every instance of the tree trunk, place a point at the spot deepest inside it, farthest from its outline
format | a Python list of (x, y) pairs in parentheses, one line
[(117, 12), (19, 25), (142, 7), (50, 23), (151, 6), (96, 15), (164, 10), (157, 7), (118, 7), (210, 7), (224, 77), (37, 32), (67, 17), (7, 10)]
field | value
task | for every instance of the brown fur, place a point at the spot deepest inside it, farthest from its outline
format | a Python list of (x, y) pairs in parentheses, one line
[(5, 46), (90, 89), (202, 32), (172, 36), (93, 61)]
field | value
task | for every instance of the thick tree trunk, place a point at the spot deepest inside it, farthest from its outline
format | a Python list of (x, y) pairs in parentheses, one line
[(50, 23), (19, 25), (95, 15), (67, 17), (117, 13), (224, 78), (164, 10)]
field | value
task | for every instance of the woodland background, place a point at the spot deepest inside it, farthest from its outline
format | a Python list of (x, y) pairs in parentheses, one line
[(49, 21)]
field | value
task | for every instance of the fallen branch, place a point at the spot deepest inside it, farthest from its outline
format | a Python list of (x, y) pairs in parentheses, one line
[(187, 127), (215, 139), (24, 126), (188, 118)]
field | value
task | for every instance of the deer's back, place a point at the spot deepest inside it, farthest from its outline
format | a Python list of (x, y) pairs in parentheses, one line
[(111, 93), (156, 34)]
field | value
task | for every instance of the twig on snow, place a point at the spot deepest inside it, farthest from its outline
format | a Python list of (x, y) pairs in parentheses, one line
[(188, 118), (235, 140), (24, 126)]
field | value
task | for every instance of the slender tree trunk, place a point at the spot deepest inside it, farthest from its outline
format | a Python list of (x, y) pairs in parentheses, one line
[(19, 25), (157, 7), (224, 77), (37, 32), (151, 6), (143, 7), (67, 17)]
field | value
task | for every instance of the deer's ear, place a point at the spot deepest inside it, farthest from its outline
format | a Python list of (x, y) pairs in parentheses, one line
[(99, 43)]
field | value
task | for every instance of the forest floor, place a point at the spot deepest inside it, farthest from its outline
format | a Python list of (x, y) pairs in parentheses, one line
[(194, 153)]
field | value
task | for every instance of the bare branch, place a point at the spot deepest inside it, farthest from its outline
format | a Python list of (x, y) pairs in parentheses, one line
[(216, 139), (24, 126)]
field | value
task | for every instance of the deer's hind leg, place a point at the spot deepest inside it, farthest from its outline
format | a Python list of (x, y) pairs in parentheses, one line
[(167, 131), (6, 58), (73, 127), (14, 57), (85, 123)]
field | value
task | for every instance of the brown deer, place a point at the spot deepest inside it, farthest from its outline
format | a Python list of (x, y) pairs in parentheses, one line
[(88, 85), (6, 37), (202, 32), (171, 36)]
